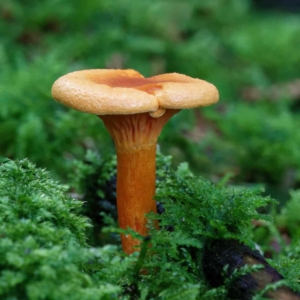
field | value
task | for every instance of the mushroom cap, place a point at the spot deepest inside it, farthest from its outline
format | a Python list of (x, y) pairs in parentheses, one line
[(113, 92)]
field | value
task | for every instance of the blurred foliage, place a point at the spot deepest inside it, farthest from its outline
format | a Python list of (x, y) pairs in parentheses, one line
[(251, 133)]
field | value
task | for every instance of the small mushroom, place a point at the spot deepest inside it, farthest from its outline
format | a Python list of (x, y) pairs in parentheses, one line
[(134, 110)]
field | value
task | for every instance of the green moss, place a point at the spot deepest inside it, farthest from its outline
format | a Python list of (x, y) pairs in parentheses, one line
[(43, 241)]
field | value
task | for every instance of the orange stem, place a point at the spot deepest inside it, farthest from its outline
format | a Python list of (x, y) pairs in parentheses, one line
[(135, 137), (135, 191)]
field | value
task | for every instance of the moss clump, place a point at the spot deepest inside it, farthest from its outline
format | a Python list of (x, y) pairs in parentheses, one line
[(42, 242)]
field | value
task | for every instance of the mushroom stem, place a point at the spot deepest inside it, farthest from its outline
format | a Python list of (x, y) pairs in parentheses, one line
[(135, 191), (135, 138)]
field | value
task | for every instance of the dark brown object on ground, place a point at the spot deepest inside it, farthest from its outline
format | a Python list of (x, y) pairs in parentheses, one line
[(235, 255)]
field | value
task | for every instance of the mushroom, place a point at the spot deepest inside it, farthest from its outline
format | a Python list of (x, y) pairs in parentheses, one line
[(134, 110)]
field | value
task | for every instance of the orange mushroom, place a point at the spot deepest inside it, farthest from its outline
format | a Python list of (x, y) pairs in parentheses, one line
[(134, 110)]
